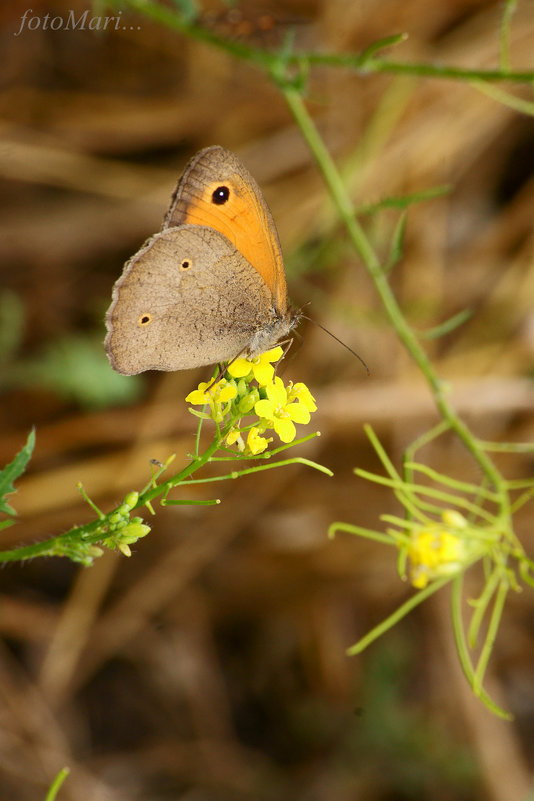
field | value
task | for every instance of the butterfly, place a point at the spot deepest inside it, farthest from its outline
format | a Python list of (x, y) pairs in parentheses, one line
[(210, 286)]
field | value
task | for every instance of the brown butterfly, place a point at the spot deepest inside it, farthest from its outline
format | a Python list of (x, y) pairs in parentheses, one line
[(210, 285)]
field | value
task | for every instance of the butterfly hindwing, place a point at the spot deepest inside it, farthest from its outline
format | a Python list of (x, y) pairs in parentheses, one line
[(187, 298)]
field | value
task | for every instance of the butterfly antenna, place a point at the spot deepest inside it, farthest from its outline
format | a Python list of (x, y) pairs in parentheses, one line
[(305, 317)]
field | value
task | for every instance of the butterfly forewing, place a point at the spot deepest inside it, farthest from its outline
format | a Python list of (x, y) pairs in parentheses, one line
[(218, 191)]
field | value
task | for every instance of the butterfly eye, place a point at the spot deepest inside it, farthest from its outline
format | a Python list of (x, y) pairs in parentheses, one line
[(220, 195), (145, 319), (186, 264)]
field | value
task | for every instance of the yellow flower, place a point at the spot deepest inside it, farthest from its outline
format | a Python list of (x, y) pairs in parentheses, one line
[(255, 443), (280, 412), (216, 395), (439, 550), (233, 436), (208, 392), (261, 366), (301, 392)]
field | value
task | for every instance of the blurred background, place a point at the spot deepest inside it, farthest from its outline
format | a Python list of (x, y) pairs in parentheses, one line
[(211, 665)]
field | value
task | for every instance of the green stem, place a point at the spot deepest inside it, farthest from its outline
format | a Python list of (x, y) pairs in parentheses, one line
[(481, 606), (443, 72), (371, 261), (56, 784), (489, 641), (397, 615), (95, 531), (411, 490), (464, 487), (31, 551), (178, 478), (363, 63), (358, 531), (462, 650), (250, 470)]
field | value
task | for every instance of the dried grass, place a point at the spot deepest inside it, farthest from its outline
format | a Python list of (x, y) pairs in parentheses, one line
[(211, 666)]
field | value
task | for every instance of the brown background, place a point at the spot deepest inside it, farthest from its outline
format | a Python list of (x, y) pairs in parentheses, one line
[(211, 665)]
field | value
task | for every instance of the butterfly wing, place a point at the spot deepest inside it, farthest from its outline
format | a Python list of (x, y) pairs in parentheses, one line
[(216, 190), (187, 298)]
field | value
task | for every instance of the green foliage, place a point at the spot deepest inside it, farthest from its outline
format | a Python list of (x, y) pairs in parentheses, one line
[(9, 475), (117, 530), (77, 369), (441, 544), (74, 367)]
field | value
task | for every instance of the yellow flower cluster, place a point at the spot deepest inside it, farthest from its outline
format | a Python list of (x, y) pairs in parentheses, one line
[(252, 388)]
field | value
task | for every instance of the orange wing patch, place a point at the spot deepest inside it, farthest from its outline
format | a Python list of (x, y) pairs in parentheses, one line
[(241, 223), (234, 206)]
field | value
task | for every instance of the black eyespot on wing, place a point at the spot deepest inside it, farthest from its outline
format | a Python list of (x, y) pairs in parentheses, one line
[(145, 319), (220, 195), (186, 264)]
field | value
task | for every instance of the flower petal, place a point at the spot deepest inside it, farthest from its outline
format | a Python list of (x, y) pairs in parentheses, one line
[(265, 408), (255, 443), (285, 429), (301, 391), (227, 393), (274, 354), (276, 392), (239, 368), (232, 436), (195, 397), (263, 373), (298, 412)]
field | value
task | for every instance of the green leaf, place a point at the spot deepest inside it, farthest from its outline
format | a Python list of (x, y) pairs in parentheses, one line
[(382, 44), (397, 242), (404, 201), (449, 325), (12, 471)]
